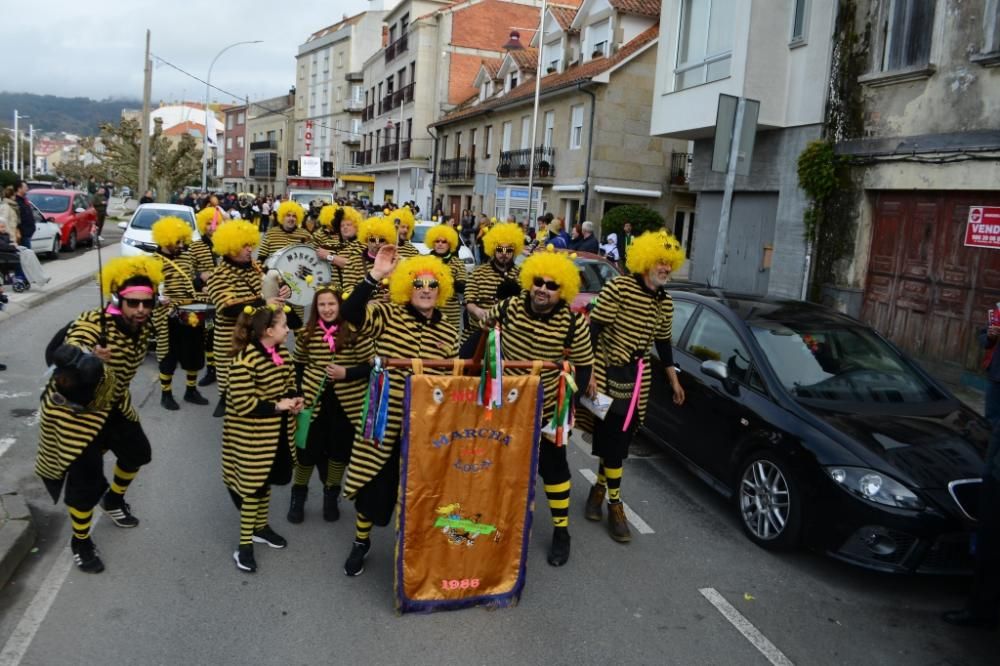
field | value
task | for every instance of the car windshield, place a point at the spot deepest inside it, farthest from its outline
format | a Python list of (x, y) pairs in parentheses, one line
[(49, 203), (306, 198), (145, 218), (839, 363), (593, 275)]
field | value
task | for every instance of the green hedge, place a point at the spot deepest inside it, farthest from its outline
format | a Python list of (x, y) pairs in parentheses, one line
[(642, 219)]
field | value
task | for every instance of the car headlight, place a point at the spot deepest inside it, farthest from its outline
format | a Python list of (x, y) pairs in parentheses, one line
[(875, 487), (131, 241)]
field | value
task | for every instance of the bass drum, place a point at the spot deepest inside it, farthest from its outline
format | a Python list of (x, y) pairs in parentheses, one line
[(291, 266)]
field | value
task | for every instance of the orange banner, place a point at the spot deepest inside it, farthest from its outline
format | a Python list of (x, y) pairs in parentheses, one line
[(467, 484)]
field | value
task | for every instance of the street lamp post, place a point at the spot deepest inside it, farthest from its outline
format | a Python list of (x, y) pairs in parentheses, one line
[(17, 141), (208, 85), (397, 198)]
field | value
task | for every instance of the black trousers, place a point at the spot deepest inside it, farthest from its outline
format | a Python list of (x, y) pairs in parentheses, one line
[(187, 347), (331, 434), (85, 481), (553, 466), (609, 442)]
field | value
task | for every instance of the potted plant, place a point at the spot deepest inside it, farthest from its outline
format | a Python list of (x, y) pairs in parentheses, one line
[(522, 170), (543, 168), (503, 170)]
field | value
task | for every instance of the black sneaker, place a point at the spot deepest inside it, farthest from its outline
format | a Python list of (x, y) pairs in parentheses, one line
[(118, 510), (559, 550), (192, 395), (270, 537), (297, 507), (244, 559), (220, 408), (355, 564), (209, 377), (85, 555), (167, 401)]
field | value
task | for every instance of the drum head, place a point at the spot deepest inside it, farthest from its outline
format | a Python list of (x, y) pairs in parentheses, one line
[(197, 307), (295, 263)]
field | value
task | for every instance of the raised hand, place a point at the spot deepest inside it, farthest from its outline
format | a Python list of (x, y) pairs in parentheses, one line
[(385, 262)]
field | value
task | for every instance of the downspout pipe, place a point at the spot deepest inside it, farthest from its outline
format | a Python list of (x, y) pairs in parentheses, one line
[(434, 166), (590, 150)]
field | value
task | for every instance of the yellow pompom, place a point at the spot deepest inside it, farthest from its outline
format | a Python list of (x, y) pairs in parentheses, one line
[(385, 211), (272, 307), (550, 247), (192, 319), (434, 218), (248, 310), (573, 255), (309, 279), (385, 281), (286, 309)]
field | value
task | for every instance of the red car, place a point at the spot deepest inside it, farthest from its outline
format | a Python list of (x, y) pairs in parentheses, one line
[(69, 209), (595, 270)]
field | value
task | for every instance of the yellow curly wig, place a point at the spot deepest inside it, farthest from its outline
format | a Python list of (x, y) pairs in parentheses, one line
[(168, 231), (507, 233), (445, 231), (120, 269), (354, 215), (556, 265), (401, 280), (326, 214), (290, 206), (405, 216), (380, 227), (651, 248), (230, 238), (205, 217)]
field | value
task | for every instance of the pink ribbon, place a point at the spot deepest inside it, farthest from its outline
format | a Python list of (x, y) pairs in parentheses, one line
[(275, 356), (635, 394), (112, 310), (328, 335)]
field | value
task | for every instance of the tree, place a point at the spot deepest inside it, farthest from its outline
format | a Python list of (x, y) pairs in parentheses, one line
[(642, 219), (171, 166)]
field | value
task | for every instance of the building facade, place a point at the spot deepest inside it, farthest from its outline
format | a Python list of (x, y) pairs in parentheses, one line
[(777, 53), (592, 147), (235, 150), (269, 143)]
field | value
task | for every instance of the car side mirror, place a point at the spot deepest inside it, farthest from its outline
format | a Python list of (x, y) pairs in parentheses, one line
[(719, 370), (123, 225), (78, 211)]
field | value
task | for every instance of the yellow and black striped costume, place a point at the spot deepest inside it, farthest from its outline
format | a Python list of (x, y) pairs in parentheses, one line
[(483, 284), (66, 431), (325, 238), (314, 354), (399, 331), (358, 265), (200, 254), (453, 308), (406, 249), (277, 239), (231, 286), (178, 286)]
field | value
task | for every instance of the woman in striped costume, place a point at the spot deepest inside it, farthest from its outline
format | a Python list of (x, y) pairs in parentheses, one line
[(332, 364), (178, 339), (411, 326), (633, 313), (375, 233), (404, 222), (442, 239), (79, 423), (203, 262), (258, 430)]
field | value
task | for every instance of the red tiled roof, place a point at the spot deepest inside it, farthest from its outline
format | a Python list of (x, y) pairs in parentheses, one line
[(492, 66), (525, 59), (186, 127), (564, 16), (577, 74), (640, 7), (486, 25)]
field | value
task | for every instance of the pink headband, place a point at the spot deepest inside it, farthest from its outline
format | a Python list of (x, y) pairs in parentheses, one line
[(136, 289)]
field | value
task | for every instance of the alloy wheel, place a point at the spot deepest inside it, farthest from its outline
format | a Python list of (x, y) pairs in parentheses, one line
[(764, 499)]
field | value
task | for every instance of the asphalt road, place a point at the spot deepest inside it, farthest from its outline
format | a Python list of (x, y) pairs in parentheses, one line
[(171, 593)]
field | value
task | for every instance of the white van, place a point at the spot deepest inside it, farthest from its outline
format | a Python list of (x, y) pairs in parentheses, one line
[(306, 197)]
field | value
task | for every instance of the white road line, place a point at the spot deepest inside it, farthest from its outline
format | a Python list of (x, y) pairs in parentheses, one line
[(632, 516), (6, 443), (743, 625)]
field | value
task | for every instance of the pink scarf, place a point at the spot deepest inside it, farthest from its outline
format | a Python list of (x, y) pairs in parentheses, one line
[(328, 334), (275, 355)]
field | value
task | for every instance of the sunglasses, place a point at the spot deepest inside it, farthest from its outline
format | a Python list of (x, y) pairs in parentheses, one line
[(504, 250), (136, 302), (376, 239), (548, 284), (421, 283)]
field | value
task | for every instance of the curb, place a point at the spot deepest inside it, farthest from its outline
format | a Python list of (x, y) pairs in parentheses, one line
[(17, 534), (40, 297)]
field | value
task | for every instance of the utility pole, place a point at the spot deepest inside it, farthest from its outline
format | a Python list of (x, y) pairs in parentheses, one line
[(147, 86), (17, 140), (31, 151), (715, 279)]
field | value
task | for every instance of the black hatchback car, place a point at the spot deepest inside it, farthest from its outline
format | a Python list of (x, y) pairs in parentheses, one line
[(821, 432)]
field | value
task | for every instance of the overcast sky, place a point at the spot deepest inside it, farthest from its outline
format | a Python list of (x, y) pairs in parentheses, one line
[(94, 49)]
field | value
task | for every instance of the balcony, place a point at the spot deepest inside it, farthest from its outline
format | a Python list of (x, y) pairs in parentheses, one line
[(368, 113), (355, 76), (387, 104), (404, 150), (680, 171), (388, 153), (354, 105), (460, 169), (402, 96), (514, 163), (270, 144), (398, 47), (351, 139)]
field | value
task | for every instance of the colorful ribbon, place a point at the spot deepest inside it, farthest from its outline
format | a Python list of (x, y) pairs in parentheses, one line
[(375, 412), (275, 355), (562, 418), (491, 376), (635, 394), (329, 335)]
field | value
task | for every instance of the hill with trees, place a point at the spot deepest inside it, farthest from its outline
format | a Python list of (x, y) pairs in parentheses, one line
[(76, 115)]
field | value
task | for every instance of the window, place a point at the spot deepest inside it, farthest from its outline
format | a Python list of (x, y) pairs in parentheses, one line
[(488, 144), (712, 339), (905, 29), (598, 35), (356, 94), (229, 167), (552, 57), (302, 132), (525, 132), (239, 167), (682, 315), (356, 126), (799, 20), (472, 142), (705, 42), (511, 81), (340, 93), (505, 137), (340, 59), (576, 126), (229, 143), (401, 78), (991, 27), (239, 142), (229, 122), (458, 144), (550, 122), (444, 147), (240, 118)]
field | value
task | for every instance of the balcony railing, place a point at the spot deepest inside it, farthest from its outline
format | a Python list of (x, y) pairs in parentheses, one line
[(457, 169), (351, 139), (354, 105), (388, 153), (404, 150), (368, 113), (680, 169), (358, 158), (398, 47), (514, 163), (387, 104), (270, 144)]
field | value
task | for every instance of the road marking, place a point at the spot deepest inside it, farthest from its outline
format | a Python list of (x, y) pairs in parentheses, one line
[(744, 626), (6, 443), (632, 516), (24, 633)]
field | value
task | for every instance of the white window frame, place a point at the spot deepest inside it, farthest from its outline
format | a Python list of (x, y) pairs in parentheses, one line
[(549, 124), (240, 118), (239, 142), (229, 122), (525, 132), (991, 27), (803, 7), (229, 143), (505, 136), (576, 127), (709, 58), (603, 45), (881, 64)]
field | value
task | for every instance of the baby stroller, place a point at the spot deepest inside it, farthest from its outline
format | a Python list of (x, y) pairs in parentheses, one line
[(11, 273)]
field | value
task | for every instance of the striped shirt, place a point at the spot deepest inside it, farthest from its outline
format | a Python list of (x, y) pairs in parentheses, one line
[(313, 353), (453, 309), (483, 284), (203, 260), (277, 239), (231, 284)]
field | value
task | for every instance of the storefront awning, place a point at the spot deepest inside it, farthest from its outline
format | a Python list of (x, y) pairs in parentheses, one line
[(628, 191), (567, 188), (357, 178)]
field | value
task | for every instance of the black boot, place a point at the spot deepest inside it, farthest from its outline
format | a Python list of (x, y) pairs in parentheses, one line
[(209, 377), (191, 395), (559, 550), (296, 511), (220, 409), (167, 401), (331, 508)]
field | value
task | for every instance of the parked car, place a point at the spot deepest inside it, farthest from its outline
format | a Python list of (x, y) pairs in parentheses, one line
[(46, 240), (820, 432), (594, 269), (71, 210), (125, 193), (420, 232), (137, 238)]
